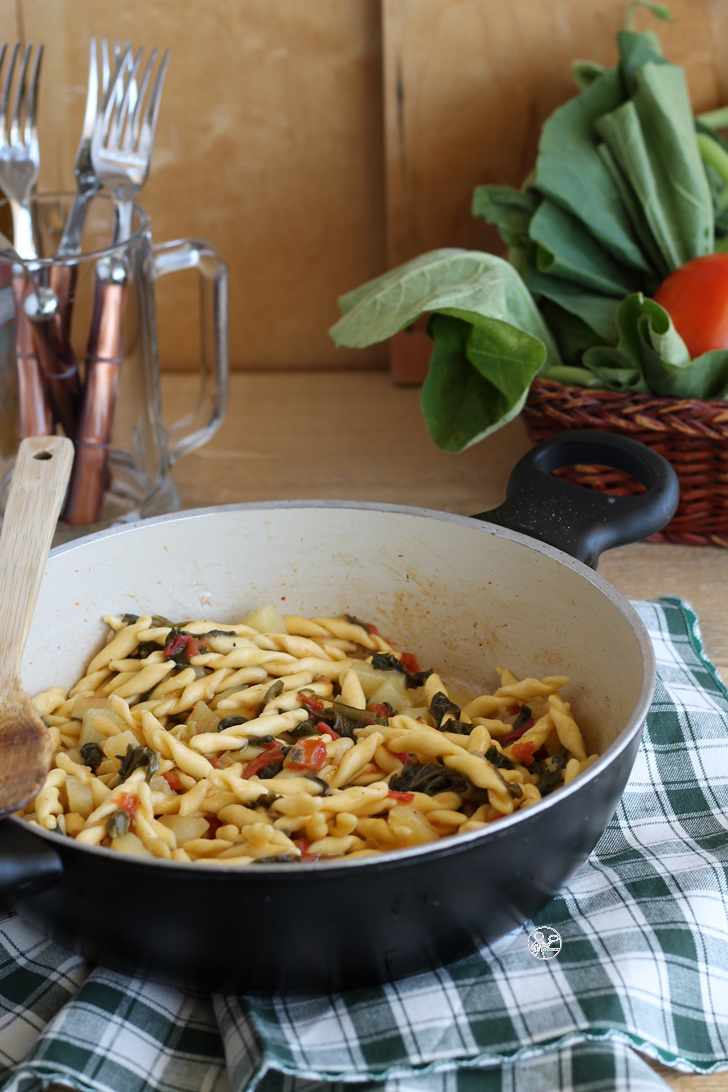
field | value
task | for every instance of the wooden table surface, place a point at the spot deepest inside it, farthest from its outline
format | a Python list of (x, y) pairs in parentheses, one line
[(355, 436)]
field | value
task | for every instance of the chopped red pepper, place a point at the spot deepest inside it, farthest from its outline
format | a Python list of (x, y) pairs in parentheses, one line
[(379, 709), (308, 754), (523, 752), (312, 703), (172, 779), (215, 825), (303, 844), (326, 729), (513, 736), (405, 797), (184, 643), (272, 753), (408, 660), (371, 629), (129, 804), (215, 761)]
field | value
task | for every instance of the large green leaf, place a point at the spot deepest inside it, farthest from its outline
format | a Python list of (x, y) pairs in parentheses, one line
[(568, 250), (470, 281), (595, 310), (651, 356), (652, 139), (570, 171), (478, 378), (508, 209)]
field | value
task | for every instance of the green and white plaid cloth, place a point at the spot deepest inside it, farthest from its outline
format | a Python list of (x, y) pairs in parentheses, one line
[(643, 967)]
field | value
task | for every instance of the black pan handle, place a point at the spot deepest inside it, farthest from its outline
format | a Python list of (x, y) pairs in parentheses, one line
[(580, 521), (27, 863)]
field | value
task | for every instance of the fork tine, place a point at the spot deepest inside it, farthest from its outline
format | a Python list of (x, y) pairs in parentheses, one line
[(127, 104), (115, 95), (6, 94), (150, 119), (92, 92), (105, 68), (19, 98), (31, 106), (132, 131)]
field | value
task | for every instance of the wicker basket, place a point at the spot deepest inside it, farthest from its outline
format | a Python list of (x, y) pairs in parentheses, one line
[(690, 433)]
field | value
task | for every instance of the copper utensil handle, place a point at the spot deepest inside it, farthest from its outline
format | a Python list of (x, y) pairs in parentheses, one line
[(93, 437), (34, 412), (51, 339)]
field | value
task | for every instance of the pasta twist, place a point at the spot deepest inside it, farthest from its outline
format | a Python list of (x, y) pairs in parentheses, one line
[(288, 739)]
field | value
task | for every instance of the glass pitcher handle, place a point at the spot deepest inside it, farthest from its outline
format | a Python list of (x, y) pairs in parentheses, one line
[(200, 424)]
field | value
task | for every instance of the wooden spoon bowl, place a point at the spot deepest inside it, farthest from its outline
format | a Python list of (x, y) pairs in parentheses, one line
[(40, 478)]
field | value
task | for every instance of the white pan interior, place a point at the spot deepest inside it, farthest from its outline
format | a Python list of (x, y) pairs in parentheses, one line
[(465, 597)]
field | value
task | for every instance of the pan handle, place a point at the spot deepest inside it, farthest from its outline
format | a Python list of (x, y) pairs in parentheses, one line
[(580, 521), (27, 863)]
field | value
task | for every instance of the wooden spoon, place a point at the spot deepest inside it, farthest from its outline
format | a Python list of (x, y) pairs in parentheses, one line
[(40, 477)]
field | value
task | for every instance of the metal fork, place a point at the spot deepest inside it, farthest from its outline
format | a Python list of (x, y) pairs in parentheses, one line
[(121, 144), (121, 148), (19, 152), (19, 163), (52, 318), (87, 181)]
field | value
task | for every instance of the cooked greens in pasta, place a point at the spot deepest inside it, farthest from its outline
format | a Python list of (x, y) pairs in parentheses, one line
[(288, 739)]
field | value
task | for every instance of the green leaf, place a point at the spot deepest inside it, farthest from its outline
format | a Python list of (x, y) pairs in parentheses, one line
[(568, 250), (636, 50), (479, 285), (478, 379), (572, 334), (652, 139), (508, 209), (651, 355), (586, 72), (659, 267), (596, 311), (570, 171)]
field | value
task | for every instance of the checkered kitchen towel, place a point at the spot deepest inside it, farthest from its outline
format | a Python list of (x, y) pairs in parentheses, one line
[(643, 965)]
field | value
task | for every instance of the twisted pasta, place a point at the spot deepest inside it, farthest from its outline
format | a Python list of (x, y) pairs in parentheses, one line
[(288, 739)]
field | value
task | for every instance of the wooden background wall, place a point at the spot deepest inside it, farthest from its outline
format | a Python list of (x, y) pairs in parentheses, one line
[(317, 142)]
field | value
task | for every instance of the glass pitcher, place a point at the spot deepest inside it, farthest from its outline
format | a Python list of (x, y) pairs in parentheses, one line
[(79, 356)]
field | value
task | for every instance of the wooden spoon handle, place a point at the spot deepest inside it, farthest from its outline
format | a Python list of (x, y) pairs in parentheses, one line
[(38, 486)]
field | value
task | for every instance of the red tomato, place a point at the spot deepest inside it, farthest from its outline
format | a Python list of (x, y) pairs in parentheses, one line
[(303, 844), (308, 754), (410, 662), (325, 729), (128, 803), (311, 702), (172, 779), (185, 643), (379, 709), (272, 753), (513, 736), (695, 297), (405, 797), (523, 752)]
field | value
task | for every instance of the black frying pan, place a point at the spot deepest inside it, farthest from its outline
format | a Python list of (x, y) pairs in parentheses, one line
[(465, 593)]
